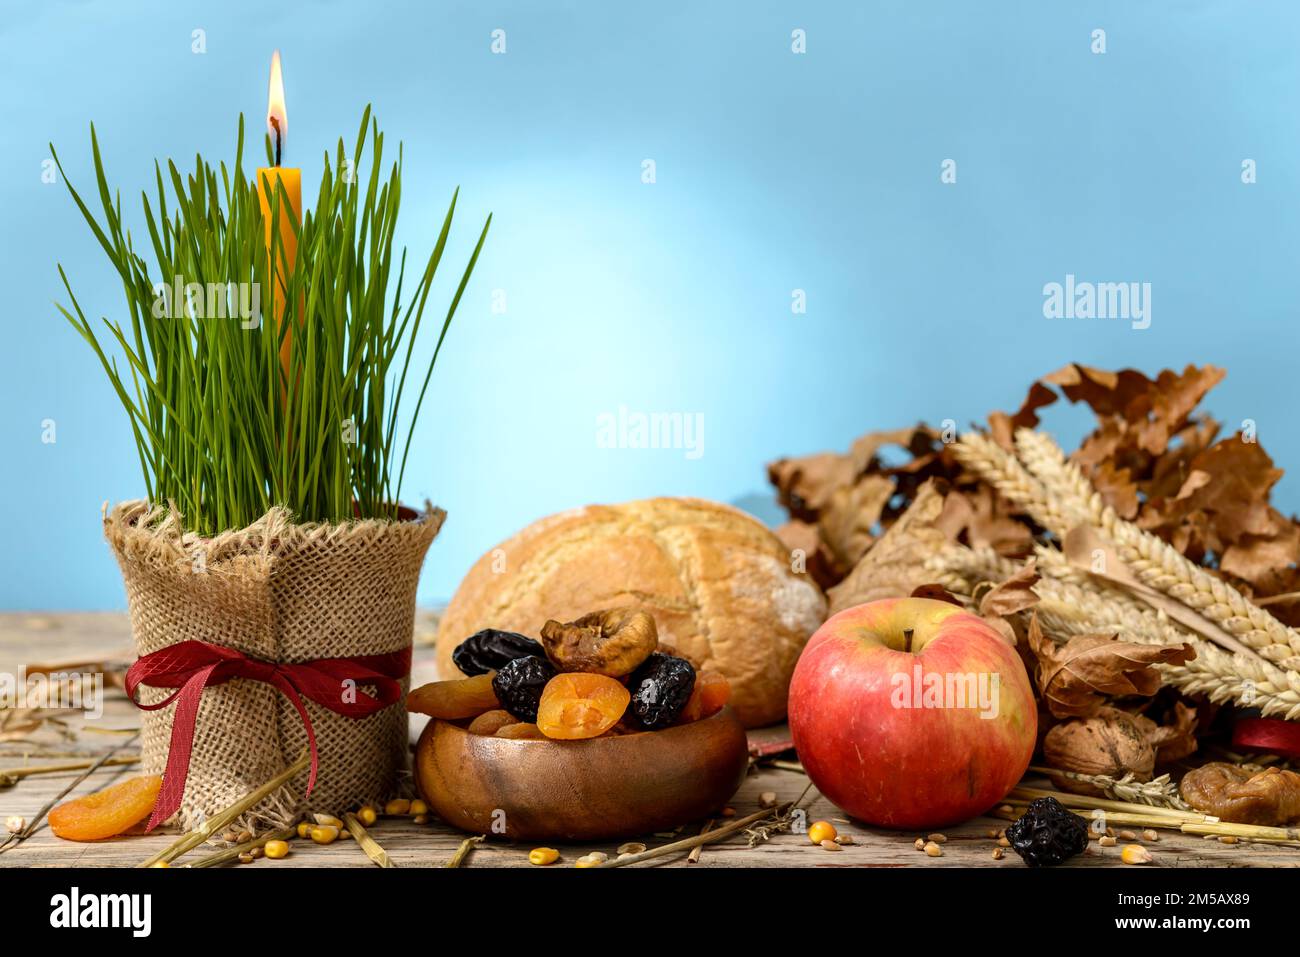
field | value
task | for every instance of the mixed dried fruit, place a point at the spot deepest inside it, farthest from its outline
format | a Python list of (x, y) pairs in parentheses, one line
[(1047, 834), (603, 674), (454, 699), (712, 691), (660, 689), (1242, 796), (519, 684), (491, 650), (579, 705), (106, 813), (612, 643)]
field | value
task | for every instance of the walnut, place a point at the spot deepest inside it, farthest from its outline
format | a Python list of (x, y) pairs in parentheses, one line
[(611, 643), (1110, 742), (1234, 794)]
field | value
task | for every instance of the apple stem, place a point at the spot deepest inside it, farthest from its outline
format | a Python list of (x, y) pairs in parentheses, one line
[(907, 640)]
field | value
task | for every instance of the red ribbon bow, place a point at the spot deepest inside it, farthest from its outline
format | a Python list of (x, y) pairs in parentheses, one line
[(191, 666)]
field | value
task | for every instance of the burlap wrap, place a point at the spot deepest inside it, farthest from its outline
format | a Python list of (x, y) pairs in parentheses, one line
[(284, 593)]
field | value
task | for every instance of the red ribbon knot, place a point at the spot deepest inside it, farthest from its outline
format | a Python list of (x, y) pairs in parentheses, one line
[(190, 666)]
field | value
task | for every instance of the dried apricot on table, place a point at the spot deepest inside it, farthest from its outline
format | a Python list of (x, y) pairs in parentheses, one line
[(106, 813), (580, 705), (712, 691), (454, 699)]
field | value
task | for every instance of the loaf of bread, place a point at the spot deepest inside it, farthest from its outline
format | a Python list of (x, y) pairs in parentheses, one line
[(719, 584)]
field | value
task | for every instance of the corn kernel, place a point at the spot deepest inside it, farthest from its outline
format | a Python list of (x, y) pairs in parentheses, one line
[(1135, 854), (324, 834), (418, 807), (398, 807), (821, 831), (276, 850), (541, 856), (367, 815)]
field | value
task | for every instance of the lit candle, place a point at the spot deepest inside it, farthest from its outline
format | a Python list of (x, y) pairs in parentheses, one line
[(277, 125)]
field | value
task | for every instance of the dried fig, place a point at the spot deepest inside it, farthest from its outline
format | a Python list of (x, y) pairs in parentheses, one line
[(1239, 796), (611, 643), (1110, 742)]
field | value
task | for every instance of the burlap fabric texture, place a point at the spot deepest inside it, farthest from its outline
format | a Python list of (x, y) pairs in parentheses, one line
[(285, 593)]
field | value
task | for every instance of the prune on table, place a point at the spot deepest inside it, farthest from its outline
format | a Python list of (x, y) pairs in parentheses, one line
[(1046, 834), (519, 684), (660, 689), (492, 649)]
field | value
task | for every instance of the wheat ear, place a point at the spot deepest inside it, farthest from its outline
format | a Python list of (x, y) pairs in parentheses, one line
[(1153, 560), (1068, 609), (1011, 479)]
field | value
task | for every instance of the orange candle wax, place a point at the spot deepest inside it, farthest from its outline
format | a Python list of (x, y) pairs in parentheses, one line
[(269, 181)]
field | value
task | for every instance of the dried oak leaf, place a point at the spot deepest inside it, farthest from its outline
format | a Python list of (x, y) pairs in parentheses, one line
[(1234, 794), (896, 563), (918, 441), (1003, 427), (1076, 677), (850, 520), (1223, 498), (1271, 565), (1109, 742), (1175, 741), (1013, 595), (936, 592), (1117, 488), (804, 485), (981, 518), (1009, 598), (802, 538)]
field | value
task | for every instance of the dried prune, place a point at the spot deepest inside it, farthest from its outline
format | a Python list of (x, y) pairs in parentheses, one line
[(1047, 834), (580, 705), (660, 689), (612, 643), (491, 650), (519, 684)]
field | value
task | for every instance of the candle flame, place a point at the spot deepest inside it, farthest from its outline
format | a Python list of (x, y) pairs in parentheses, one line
[(276, 114)]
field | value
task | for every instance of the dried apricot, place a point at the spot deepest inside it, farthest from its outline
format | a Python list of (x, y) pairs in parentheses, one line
[(490, 722), (454, 699), (712, 691), (581, 705), (106, 813), (522, 730)]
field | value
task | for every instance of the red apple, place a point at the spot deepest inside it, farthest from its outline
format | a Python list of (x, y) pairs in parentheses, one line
[(912, 713)]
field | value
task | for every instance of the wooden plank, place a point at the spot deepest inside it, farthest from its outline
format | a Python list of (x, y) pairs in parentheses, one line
[(28, 638)]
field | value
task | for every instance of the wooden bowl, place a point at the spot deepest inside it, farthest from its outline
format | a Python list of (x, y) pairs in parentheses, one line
[(596, 789)]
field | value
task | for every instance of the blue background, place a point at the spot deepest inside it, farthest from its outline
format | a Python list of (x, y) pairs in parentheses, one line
[(775, 171)]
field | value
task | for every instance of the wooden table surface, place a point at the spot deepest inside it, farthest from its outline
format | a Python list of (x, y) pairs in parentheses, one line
[(28, 639)]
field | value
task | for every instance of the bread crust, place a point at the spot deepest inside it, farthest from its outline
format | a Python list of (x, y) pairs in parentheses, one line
[(719, 584)]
